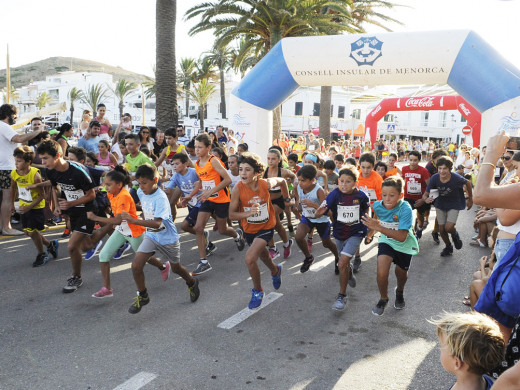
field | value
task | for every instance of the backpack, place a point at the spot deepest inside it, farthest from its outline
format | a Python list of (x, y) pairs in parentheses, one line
[(500, 298)]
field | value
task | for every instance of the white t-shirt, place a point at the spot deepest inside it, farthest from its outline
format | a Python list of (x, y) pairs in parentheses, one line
[(117, 149), (7, 147)]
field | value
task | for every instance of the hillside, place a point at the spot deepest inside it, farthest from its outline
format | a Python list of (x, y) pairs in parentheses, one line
[(23, 75)]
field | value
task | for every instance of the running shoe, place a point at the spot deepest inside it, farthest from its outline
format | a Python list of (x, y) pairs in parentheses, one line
[(356, 264), (202, 268), (215, 227), (139, 302), (73, 284), (274, 253), (306, 264), (435, 237), (447, 251), (57, 220), (379, 308), (121, 251), (53, 248), (91, 253), (104, 293), (15, 218), (456, 240), (340, 303), (241, 242), (336, 268), (277, 279), (97, 226), (66, 233), (210, 249), (399, 300), (418, 234), (287, 249), (194, 290), (256, 298), (352, 281), (165, 273), (309, 244), (41, 259)]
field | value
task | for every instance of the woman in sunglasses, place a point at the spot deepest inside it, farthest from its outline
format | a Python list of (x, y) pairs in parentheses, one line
[(509, 171)]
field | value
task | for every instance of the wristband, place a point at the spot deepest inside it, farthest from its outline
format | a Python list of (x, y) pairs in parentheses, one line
[(488, 163)]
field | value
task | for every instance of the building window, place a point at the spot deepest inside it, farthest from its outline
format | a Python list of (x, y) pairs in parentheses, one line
[(424, 118), (316, 109), (356, 114), (388, 118), (442, 118), (331, 110), (341, 111), (298, 108), (462, 119)]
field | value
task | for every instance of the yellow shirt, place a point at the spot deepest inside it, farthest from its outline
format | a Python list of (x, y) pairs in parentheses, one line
[(26, 197)]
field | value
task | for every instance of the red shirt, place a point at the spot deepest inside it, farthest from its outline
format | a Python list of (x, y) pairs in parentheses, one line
[(415, 182)]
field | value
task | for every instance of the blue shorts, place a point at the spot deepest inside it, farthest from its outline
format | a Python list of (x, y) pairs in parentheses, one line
[(322, 228), (263, 234), (400, 259), (191, 218), (221, 210), (350, 246)]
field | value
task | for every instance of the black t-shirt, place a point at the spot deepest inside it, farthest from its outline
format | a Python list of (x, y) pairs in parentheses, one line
[(157, 149), (74, 183)]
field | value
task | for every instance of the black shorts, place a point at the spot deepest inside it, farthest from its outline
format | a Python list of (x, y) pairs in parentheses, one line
[(33, 220), (400, 259), (280, 202), (263, 234), (5, 180), (422, 209), (80, 223), (221, 210), (193, 212)]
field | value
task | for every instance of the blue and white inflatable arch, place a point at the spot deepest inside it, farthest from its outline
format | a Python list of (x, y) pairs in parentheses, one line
[(458, 58)]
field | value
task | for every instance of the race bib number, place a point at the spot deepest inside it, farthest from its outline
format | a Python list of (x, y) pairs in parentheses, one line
[(124, 229), (312, 148), (434, 193), (74, 195), (414, 188), (348, 214), (193, 202), (209, 185), (261, 216), (390, 225), (371, 193), (25, 194), (309, 212)]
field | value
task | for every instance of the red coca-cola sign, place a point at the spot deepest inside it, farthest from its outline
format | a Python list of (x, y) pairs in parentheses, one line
[(420, 102)]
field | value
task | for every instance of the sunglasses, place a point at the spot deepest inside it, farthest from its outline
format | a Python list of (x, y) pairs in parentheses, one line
[(145, 132), (507, 158)]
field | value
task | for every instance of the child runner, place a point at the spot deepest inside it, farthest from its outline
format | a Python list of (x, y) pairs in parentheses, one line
[(416, 179), (76, 199), (431, 166), (381, 168), (274, 169), (448, 201), (250, 203), (173, 148), (310, 195), (186, 183), (397, 244), (348, 206), (32, 203), (161, 236), (392, 169), (134, 159), (215, 199), (120, 201), (332, 176), (105, 158)]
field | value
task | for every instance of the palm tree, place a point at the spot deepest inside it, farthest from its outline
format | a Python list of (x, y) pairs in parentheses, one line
[(240, 59), (13, 94), (188, 70), (166, 113), (93, 96), (201, 93), (73, 96), (222, 59), (43, 99), (122, 89)]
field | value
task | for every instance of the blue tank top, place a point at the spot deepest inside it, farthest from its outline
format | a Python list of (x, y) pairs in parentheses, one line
[(308, 212)]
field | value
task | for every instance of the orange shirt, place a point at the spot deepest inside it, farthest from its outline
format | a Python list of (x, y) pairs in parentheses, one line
[(372, 186), (124, 202), (210, 178), (392, 172), (265, 219)]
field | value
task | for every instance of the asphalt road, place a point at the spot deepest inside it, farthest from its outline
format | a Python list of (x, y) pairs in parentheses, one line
[(51, 340)]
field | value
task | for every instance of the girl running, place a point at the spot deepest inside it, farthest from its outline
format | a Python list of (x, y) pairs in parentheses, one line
[(105, 158)]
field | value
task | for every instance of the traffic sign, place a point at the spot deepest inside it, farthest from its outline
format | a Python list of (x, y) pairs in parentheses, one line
[(466, 130)]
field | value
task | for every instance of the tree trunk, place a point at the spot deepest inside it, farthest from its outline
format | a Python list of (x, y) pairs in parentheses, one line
[(222, 94), (325, 100), (121, 106), (72, 115), (166, 113), (202, 113), (187, 97), (277, 122)]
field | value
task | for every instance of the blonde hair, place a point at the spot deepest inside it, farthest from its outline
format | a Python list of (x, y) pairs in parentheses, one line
[(472, 337)]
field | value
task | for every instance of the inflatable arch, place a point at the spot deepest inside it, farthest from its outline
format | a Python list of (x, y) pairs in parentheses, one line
[(459, 58), (426, 103)]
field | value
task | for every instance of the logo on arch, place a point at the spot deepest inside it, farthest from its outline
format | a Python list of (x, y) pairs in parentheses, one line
[(366, 50)]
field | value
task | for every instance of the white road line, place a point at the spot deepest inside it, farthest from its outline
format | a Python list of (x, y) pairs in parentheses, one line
[(246, 313), (137, 381)]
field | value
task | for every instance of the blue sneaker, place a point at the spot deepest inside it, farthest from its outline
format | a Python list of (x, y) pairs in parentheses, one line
[(91, 253), (121, 251), (53, 248), (277, 279), (256, 298)]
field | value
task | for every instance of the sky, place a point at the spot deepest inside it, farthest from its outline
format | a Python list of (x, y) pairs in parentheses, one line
[(122, 32)]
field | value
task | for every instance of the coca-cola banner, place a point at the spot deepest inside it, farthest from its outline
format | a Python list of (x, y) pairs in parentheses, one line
[(425, 103)]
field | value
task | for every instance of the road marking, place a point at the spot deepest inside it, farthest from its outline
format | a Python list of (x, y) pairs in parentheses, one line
[(246, 313), (137, 381)]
